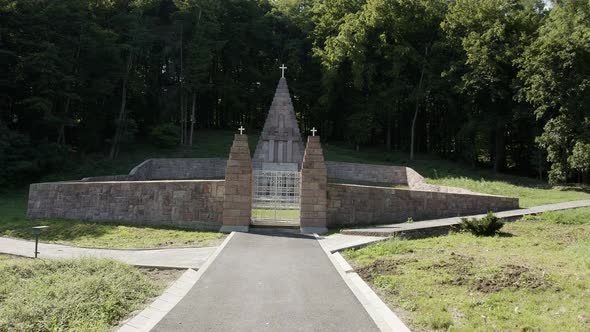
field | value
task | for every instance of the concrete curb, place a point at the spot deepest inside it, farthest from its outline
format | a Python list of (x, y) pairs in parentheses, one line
[(385, 319), (153, 314), (359, 245), (406, 229)]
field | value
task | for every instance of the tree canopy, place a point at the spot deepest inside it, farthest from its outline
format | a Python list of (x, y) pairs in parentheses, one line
[(496, 83)]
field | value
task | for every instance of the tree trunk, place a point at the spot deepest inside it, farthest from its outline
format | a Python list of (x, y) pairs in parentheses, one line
[(121, 118), (418, 93), (193, 118), (388, 130), (499, 148), (181, 79), (182, 117)]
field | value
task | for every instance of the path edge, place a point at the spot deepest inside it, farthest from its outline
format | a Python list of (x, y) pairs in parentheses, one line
[(148, 318), (385, 319)]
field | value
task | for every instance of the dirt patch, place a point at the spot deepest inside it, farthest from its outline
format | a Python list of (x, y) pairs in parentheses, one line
[(458, 265), (382, 266), (508, 276), (512, 276), (165, 276)]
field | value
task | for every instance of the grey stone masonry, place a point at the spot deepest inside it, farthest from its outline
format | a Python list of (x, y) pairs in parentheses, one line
[(179, 169), (280, 141), (237, 204), (367, 205), (182, 203), (314, 184)]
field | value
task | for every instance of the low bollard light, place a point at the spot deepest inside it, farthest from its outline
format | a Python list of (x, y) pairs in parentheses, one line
[(37, 231)]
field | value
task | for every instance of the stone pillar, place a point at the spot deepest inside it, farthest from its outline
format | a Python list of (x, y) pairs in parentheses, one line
[(237, 204), (314, 183)]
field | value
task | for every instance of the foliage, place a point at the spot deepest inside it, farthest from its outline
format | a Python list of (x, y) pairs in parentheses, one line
[(495, 83), (556, 74), (23, 160), (580, 158), (468, 283), (165, 135), (489, 225), (69, 294)]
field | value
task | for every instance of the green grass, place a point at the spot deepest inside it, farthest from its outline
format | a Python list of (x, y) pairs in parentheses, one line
[(209, 144), (276, 214), (13, 223), (217, 143), (70, 294), (533, 277), (531, 192)]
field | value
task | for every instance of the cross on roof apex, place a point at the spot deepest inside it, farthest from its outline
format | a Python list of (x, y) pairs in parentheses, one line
[(241, 129), (282, 68), (313, 131)]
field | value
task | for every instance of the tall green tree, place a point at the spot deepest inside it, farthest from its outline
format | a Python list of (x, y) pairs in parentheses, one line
[(556, 72), (492, 35)]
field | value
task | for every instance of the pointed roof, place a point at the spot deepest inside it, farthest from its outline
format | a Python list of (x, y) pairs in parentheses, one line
[(280, 141)]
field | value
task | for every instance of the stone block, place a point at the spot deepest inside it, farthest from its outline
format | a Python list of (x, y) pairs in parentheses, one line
[(237, 206)]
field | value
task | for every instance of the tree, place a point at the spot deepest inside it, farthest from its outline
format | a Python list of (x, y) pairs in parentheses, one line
[(556, 72), (492, 34)]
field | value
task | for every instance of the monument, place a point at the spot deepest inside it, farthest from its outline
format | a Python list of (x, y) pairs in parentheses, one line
[(280, 145), (285, 183)]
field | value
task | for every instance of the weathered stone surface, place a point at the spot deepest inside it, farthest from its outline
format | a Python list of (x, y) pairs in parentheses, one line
[(368, 174), (314, 183), (171, 169), (179, 169), (187, 204), (366, 205), (280, 141), (237, 205)]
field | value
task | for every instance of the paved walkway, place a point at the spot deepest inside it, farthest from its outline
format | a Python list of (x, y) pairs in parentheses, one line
[(269, 282), (338, 242), (174, 258), (393, 229)]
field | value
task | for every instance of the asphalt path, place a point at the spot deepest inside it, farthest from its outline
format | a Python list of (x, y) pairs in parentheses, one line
[(269, 282)]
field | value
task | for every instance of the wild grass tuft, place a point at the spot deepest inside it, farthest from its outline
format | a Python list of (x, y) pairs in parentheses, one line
[(69, 294)]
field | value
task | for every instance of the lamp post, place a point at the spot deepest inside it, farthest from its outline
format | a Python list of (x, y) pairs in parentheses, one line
[(37, 231)]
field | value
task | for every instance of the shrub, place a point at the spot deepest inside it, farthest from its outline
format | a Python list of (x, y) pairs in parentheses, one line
[(166, 135), (487, 226), (23, 160)]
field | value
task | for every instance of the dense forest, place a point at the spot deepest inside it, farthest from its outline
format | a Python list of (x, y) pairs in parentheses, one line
[(502, 84)]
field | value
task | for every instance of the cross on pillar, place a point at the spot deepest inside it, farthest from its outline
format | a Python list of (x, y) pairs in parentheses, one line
[(282, 68), (241, 129), (313, 131)]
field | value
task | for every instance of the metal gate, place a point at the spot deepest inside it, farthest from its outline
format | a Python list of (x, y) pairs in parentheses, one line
[(275, 196)]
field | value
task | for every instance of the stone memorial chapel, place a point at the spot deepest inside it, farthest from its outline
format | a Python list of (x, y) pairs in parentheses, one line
[(287, 183)]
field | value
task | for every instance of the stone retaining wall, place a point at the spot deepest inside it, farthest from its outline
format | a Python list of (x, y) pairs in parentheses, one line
[(186, 204), (366, 173), (179, 169), (367, 205)]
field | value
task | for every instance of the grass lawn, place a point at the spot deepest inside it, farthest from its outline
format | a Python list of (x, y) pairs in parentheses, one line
[(217, 144), (534, 277), (13, 223), (276, 214), (73, 294), (531, 192)]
